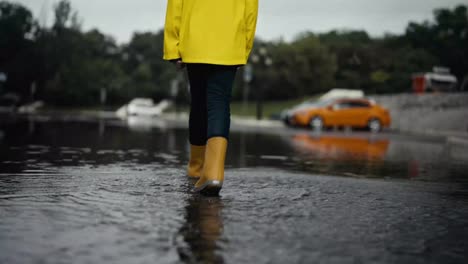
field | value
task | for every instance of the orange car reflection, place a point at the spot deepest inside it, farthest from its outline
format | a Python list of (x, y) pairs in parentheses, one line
[(334, 147), (359, 113)]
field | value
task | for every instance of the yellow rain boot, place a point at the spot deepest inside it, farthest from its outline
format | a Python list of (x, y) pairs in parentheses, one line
[(212, 177), (197, 157)]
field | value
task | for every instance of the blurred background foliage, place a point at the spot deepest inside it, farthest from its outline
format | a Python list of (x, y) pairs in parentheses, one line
[(70, 66)]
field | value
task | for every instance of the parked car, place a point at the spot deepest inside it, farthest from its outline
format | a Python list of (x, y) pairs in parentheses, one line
[(348, 112), (143, 107)]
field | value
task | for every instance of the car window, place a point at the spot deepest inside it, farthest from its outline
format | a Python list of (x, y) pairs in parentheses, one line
[(311, 104), (323, 103), (341, 105), (358, 104)]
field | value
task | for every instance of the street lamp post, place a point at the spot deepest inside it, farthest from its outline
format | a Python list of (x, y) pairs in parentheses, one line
[(263, 60), (3, 79), (248, 76)]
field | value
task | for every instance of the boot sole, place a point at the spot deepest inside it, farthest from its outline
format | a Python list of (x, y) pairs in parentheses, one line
[(211, 191), (210, 188)]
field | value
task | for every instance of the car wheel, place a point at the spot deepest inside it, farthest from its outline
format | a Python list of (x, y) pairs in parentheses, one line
[(316, 123), (374, 125)]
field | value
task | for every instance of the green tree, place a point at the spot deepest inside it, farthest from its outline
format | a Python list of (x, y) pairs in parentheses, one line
[(353, 53), (149, 74), (303, 67), (63, 11), (17, 54), (77, 65)]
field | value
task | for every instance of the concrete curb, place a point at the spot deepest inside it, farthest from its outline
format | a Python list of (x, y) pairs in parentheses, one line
[(458, 141)]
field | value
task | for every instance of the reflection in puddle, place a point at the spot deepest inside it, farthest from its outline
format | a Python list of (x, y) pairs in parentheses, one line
[(202, 231), (145, 124), (340, 148), (343, 155)]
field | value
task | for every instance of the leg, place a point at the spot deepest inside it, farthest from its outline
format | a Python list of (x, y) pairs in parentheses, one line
[(219, 86), (198, 119), (198, 109)]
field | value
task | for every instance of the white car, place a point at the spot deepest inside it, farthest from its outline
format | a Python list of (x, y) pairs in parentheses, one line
[(143, 107)]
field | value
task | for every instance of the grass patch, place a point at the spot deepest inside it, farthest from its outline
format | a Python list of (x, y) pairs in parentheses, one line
[(270, 108)]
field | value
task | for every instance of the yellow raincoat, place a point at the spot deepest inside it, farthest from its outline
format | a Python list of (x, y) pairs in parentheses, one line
[(210, 31)]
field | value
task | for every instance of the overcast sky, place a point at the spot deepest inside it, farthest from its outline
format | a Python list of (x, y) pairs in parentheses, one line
[(277, 18)]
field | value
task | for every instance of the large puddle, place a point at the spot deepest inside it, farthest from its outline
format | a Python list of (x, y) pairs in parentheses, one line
[(80, 190), (38, 143)]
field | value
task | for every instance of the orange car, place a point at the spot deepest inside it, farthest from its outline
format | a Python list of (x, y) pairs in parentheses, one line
[(358, 113)]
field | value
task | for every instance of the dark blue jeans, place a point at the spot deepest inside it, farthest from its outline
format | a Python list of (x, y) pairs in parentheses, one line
[(210, 91)]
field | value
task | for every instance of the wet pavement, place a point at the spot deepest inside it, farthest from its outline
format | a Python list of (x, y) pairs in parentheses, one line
[(78, 190)]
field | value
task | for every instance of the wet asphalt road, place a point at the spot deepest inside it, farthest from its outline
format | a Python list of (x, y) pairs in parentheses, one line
[(93, 192)]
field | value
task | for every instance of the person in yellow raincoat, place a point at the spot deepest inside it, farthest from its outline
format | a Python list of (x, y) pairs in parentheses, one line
[(213, 38)]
